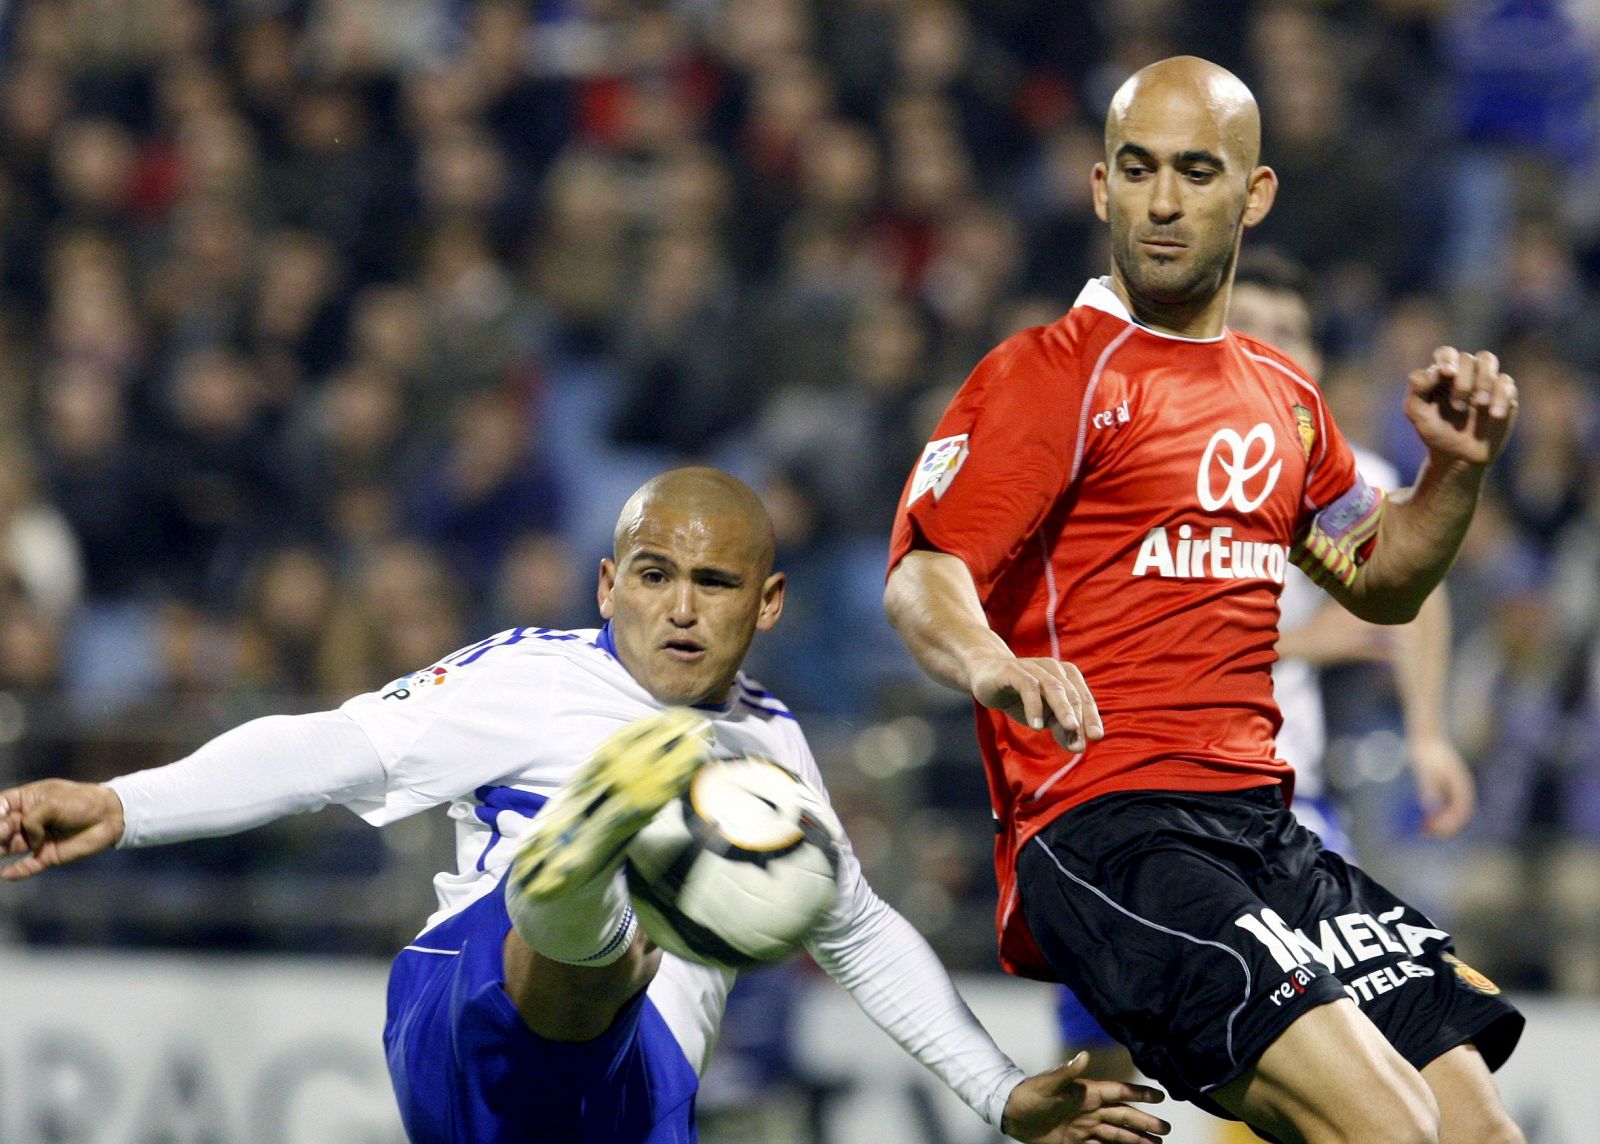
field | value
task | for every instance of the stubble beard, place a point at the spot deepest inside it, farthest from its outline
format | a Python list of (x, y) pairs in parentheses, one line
[(1169, 285)]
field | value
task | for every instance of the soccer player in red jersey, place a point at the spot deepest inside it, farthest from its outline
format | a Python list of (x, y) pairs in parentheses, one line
[(1092, 546)]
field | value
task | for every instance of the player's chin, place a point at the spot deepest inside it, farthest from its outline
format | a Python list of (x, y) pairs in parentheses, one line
[(679, 684)]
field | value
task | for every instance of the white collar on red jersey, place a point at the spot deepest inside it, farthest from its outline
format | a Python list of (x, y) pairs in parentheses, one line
[(1098, 294)]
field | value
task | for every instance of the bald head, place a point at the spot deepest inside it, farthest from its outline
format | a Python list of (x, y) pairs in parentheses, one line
[(1179, 186), (1188, 86), (712, 499), (690, 584)]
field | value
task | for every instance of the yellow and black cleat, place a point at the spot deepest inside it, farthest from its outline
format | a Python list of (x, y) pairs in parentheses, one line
[(589, 822)]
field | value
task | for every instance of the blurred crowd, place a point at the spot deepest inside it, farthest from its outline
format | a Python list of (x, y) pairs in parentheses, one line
[(334, 332)]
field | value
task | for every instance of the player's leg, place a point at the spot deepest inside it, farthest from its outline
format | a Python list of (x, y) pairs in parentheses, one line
[(1332, 1078), (469, 1069), (1432, 1012), (526, 1015), (1470, 1108), (564, 1002), (575, 957), (1222, 925)]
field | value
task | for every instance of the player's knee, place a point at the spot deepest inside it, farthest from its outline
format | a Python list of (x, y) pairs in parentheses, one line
[(563, 1002), (1406, 1113), (1419, 1130), (1422, 1108), (1500, 1130)]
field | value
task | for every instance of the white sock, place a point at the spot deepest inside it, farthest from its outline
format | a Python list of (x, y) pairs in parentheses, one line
[(591, 924)]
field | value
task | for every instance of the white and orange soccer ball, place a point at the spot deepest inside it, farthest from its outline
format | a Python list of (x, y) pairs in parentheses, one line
[(739, 868)]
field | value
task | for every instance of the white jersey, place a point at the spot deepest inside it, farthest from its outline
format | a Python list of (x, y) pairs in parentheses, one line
[(517, 713), (493, 730), (1296, 684), (514, 715)]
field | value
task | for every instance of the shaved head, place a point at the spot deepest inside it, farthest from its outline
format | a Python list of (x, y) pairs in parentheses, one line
[(689, 583), (1193, 84), (1180, 183), (710, 496)]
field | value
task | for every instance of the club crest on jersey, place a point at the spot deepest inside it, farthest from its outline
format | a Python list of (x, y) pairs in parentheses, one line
[(941, 461), (1470, 976), (1306, 428)]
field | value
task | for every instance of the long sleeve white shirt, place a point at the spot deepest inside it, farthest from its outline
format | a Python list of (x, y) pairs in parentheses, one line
[(513, 716)]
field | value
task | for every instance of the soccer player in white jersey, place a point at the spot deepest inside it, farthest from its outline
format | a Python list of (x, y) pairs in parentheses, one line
[(1269, 302), (531, 1007)]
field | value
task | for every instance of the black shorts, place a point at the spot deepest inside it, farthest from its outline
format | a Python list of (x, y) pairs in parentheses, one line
[(1197, 927)]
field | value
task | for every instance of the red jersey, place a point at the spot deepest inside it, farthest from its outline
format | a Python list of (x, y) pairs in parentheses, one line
[(1128, 500)]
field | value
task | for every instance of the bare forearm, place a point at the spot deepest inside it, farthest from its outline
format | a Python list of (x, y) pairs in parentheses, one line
[(1418, 538), (931, 601), (1422, 668)]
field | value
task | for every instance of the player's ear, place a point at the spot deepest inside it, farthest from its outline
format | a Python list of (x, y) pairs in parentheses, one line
[(1097, 180), (608, 584), (771, 601), (1263, 190)]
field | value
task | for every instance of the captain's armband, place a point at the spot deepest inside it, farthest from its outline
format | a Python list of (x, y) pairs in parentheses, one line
[(1338, 539)]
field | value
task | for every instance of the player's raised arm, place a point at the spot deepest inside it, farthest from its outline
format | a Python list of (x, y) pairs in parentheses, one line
[(932, 602), (53, 822), (1462, 408)]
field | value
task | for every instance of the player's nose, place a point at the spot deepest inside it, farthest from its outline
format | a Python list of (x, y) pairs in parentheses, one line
[(684, 611), (1166, 204)]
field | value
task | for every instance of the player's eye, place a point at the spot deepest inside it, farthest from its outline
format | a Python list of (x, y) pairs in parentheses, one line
[(653, 576), (1134, 171), (1200, 175)]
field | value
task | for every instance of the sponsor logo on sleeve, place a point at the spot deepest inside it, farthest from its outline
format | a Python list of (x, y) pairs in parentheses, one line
[(941, 461), (410, 685)]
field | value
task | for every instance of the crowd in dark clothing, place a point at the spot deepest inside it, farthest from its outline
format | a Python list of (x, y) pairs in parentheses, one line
[(333, 333)]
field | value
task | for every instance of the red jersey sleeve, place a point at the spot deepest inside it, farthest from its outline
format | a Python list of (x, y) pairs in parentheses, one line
[(999, 459), (1341, 509)]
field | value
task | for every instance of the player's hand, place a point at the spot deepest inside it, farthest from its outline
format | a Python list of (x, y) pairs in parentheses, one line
[(1445, 786), (1040, 693), (54, 822), (1462, 406), (1056, 1107)]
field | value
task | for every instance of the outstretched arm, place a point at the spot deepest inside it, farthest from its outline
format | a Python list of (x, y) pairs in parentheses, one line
[(1462, 408), (898, 980), (931, 601), (54, 822), (246, 777)]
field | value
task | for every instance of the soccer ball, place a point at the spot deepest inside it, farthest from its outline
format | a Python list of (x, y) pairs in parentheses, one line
[(738, 868)]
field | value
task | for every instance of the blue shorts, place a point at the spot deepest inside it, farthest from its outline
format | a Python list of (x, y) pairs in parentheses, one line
[(467, 1070), (1077, 1026)]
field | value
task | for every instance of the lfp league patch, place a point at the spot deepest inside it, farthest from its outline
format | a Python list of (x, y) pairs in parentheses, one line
[(941, 461)]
